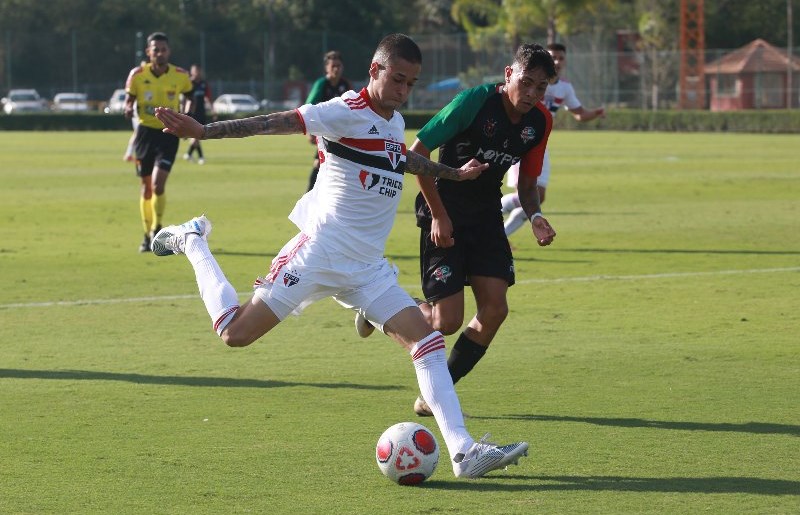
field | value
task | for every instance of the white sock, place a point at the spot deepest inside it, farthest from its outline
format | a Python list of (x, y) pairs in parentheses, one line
[(515, 220), (436, 388), (509, 202), (217, 293)]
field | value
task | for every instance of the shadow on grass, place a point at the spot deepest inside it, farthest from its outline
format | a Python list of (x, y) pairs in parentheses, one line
[(702, 485), (747, 427), (219, 382)]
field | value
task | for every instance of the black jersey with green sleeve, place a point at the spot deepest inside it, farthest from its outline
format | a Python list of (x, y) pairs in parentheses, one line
[(475, 125)]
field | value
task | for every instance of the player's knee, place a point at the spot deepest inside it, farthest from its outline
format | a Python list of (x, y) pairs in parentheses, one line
[(494, 313), (447, 325), (232, 338)]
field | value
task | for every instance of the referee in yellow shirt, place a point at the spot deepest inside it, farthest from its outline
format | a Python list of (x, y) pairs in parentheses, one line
[(156, 83)]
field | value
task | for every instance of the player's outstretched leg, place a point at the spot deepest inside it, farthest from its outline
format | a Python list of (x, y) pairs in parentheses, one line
[(172, 239), (363, 326)]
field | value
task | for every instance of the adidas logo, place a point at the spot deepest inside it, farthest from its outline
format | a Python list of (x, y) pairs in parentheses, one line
[(373, 130)]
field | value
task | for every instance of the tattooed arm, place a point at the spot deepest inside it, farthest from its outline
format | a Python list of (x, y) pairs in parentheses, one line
[(418, 164), (286, 122)]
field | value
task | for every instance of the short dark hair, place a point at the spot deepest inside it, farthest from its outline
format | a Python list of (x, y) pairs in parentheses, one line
[(557, 47), (397, 46), (333, 55), (531, 56), (157, 36)]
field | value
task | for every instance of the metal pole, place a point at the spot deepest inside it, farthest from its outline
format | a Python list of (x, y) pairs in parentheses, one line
[(139, 54), (203, 51), (789, 63), (74, 62), (8, 58)]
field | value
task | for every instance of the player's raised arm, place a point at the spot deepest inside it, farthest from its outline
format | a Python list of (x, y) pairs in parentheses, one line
[(419, 165), (286, 122)]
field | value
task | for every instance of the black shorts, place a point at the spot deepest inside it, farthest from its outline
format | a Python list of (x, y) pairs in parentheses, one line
[(154, 148), (480, 249)]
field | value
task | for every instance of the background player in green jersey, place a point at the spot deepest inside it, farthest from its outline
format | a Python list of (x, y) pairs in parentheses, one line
[(331, 85)]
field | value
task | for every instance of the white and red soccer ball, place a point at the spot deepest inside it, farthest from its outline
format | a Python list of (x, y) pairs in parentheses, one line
[(407, 453)]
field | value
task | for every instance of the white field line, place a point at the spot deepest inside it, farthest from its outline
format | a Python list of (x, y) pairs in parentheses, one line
[(589, 278)]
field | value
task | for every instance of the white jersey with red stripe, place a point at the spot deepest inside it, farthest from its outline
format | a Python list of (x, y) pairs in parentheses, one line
[(362, 159), (560, 94)]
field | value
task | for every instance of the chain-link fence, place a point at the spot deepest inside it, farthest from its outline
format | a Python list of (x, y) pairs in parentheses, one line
[(267, 65)]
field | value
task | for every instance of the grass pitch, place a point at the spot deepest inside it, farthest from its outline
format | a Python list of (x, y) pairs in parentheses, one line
[(652, 356)]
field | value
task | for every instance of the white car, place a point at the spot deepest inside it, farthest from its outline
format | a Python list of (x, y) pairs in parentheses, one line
[(234, 103), (70, 102), (23, 101), (116, 104)]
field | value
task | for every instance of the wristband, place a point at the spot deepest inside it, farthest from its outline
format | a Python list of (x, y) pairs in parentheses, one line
[(534, 216)]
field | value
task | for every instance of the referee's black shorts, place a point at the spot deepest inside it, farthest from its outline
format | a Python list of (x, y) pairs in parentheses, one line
[(480, 249), (154, 148)]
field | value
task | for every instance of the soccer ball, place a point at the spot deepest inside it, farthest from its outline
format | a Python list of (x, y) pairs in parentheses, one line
[(407, 453)]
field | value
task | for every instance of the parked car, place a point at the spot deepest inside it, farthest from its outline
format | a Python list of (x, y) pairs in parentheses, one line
[(234, 103), (70, 102), (22, 101), (116, 104)]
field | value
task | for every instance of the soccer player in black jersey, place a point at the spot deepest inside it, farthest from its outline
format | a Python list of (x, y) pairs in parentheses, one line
[(331, 85), (462, 240), (195, 106)]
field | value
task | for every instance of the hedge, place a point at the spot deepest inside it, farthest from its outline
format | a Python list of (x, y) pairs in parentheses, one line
[(762, 121)]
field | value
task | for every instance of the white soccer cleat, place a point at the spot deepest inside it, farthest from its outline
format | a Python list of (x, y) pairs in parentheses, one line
[(172, 239), (363, 326), (483, 457)]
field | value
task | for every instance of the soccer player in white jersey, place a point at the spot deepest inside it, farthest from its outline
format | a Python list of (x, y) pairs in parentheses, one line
[(559, 94), (360, 138)]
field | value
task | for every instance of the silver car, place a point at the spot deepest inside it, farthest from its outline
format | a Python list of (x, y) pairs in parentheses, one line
[(23, 101), (116, 104), (71, 102), (233, 103)]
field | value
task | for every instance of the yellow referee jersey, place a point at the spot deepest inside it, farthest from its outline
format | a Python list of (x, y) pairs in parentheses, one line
[(151, 91)]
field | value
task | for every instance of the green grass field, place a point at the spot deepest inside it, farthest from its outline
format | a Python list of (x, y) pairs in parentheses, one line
[(652, 355)]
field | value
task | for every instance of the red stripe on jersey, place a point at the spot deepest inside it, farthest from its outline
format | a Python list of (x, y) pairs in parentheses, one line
[(432, 345), (300, 117), (369, 145), (362, 102), (531, 162), (280, 261)]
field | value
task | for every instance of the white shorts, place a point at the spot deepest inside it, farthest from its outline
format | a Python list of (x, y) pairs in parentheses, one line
[(305, 271), (512, 176)]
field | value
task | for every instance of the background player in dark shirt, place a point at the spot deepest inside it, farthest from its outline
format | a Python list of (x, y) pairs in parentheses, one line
[(462, 240), (332, 85), (195, 106)]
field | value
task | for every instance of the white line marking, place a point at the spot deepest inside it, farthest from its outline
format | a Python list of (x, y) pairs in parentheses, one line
[(590, 278)]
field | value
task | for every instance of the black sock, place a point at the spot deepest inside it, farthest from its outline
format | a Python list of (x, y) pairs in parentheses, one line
[(463, 357)]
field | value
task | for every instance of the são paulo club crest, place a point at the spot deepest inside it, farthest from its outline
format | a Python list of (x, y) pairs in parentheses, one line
[(290, 278), (527, 134), (395, 151)]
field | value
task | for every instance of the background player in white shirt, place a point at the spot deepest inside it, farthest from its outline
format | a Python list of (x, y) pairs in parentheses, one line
[(558, 94), (360, 137)]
